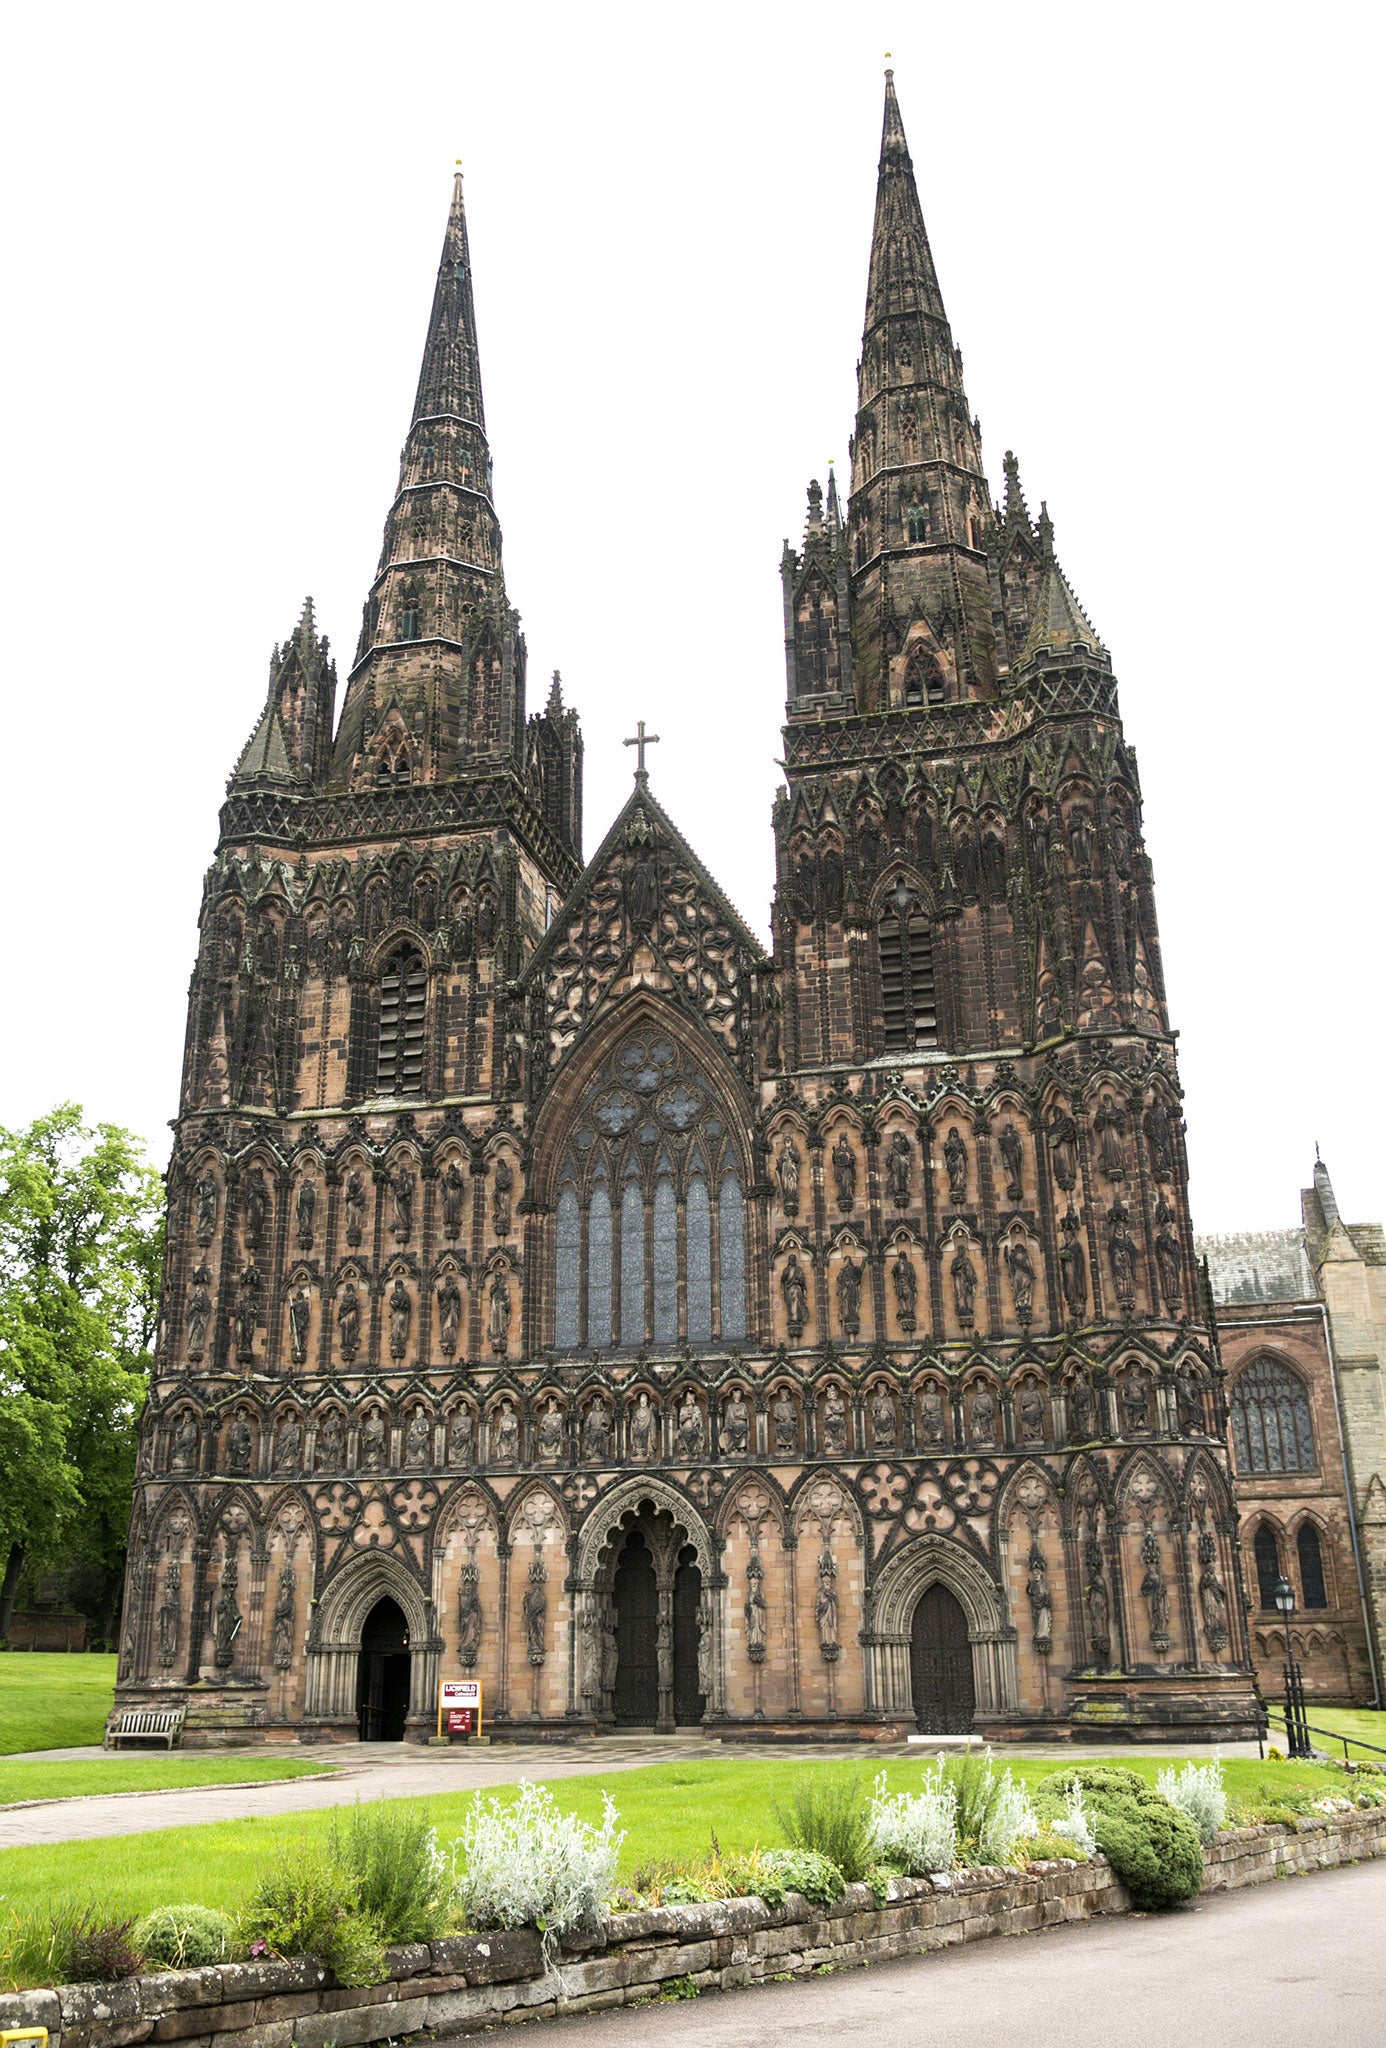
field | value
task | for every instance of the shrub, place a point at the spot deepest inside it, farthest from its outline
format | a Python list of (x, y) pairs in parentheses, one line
[(184, 1937), (528, 1865), (1047, 1846), (1199, 1792), (816, 1876), (74, 1942), (307, 1909), (1152, 1846), (829, 1817), (918, 1831), (993, 1811), (1073, 1821), (398, 1875)]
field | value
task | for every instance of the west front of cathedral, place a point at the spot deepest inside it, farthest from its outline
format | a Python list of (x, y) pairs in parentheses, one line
[(566, 1293)]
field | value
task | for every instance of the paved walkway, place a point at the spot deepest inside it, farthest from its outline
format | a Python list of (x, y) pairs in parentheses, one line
[(375, 1770), (1276, 1966)]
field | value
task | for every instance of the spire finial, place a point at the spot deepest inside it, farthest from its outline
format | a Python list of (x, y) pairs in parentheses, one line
[(642, 740)]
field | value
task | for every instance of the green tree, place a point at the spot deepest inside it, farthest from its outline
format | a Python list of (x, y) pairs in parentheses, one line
[(81, 1249)]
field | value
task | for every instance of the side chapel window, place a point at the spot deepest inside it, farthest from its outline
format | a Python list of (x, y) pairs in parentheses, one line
[(400, 1043), (1266, 1551), (650, 1230), (1312, 1589), (1271, 1430), (906, 945)]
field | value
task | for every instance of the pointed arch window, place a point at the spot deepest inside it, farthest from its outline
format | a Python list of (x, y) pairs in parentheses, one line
[(668, 1267), (410, 614), (906, 947), (924, 679), (399, 1058), (1312, 1589), (1266, 1553), (916, 522), (1271, 1426)]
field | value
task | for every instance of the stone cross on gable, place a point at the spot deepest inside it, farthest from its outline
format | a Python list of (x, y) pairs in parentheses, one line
[(642, 740)]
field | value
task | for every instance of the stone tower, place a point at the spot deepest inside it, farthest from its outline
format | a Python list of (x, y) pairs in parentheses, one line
[(566, 1292)]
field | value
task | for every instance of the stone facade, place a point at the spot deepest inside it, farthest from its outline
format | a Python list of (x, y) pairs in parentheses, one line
[(566, 1292), (1301, 1318)]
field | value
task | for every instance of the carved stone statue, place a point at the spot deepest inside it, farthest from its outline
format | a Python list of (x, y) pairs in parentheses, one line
[(331, 1444), (1098, 1608), (933, 1418), (610, 1652), (401, 1315), (1021, 1269), (449, 1316), (1030, 1409), (505, 1436), (502, 1187), (288, 1447), (834, 1423), (256, 1208), (906, 1285), (1188, 1397), (300, 1318), (1135, 1403), (185, 1445), (596, 1433), (1073, 1267), (349, 1322), (849, 1296), (469, 1617), (690, 1428), (1169, 1263), (794, 1288), (899, 1170), (206, 1209), (1212, 1595), (226, 1619), (169, 1617), (1109, 1123), (453, 1187), (736, 1425), (1155, 1592), (535, 1613), (1121, 1252), (355, 1200), (199, 1315), (784, 1419), (460, 1439), (418, 1439), (1080, 1412), (498, 1324), (845, 1174), (283, 1654), (548, 1441), (305, 1209), (402, 1187), (983, 1416), (247, 1315), (964, 1276), (1041, 1599), (825, 1612), (787, 1171), (705, 1646), (755, 1610), (1012, 1161), (955, 1160), (883, 1420), (374, 1441), (1061, 1136), (641, 1432), (1159, 1138), (239, 1443)]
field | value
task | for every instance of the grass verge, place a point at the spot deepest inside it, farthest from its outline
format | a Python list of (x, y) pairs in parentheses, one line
[(1362, 1723), (52, 1701), (129, 1773), (667, 1810)]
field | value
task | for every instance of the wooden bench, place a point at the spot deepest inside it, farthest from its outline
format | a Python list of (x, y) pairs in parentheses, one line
[(147, 1724)]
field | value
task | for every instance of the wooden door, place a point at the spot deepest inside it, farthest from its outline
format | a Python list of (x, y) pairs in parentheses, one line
[(635, 1596), (941, 1665), (689, 1703)]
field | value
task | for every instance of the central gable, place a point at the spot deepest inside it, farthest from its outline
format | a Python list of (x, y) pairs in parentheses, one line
[(645, 915)]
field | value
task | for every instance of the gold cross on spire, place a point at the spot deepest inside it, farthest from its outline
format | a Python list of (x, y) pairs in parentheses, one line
[(642, 740)]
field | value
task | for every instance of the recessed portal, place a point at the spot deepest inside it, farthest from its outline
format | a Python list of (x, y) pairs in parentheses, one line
[(635, 1596), (941, 1683), (382, 1686)]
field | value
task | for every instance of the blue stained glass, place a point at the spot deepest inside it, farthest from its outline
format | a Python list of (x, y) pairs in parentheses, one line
[(567, 1269), (632, 1264), (666, 1263), (599, 1269), (733, 1260), (698, 1224)]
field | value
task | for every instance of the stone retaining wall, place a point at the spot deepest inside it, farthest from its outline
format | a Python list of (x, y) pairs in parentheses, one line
[(467, 1981)]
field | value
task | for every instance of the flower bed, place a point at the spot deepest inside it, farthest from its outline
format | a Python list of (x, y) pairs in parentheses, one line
[(463, 1982)]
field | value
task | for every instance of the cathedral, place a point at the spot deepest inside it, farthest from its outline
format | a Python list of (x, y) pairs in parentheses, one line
[(566, 1293)]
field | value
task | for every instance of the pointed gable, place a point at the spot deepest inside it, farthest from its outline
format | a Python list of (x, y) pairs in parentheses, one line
[(265, 757), (646, 915)]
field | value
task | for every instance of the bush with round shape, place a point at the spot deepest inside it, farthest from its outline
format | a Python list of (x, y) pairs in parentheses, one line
[(184, 1937), (1153, 1848)]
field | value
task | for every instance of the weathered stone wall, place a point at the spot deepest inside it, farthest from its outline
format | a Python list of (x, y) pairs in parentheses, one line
[(448, 1987)]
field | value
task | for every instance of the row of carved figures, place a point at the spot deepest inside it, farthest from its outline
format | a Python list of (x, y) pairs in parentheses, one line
[(399, 1190)]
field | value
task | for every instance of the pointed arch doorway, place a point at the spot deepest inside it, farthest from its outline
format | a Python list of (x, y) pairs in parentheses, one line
[(942, 1688), (656, 1594), (383, 1674)]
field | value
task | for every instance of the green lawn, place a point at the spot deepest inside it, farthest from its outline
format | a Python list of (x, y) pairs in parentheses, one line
[(668, 1810), (1359, 1722), (137, 1773), (52, 1701)]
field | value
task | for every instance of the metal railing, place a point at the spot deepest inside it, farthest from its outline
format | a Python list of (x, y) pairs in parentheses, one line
[(1293, 1714)]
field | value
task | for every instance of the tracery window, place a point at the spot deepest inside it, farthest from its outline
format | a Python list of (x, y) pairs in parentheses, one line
[(410, 614), (650, 1231), (1312, 1589), (1271, 1429), (1266, 1551), (924, 679), (399, 1055), (905, 939)]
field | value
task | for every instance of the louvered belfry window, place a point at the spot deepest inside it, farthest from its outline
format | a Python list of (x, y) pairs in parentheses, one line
[(907, 974), (399, 1060)]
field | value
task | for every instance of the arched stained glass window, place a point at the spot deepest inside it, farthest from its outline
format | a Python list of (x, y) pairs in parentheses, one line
[(1312, 1589), (1271, 1429), (1266, 1551), (651, 1124)]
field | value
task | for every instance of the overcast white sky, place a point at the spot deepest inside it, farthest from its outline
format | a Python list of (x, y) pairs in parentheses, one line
[(1158, 235)]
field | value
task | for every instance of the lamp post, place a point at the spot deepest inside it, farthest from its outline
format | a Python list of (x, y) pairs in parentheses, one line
[(1296, 1718)]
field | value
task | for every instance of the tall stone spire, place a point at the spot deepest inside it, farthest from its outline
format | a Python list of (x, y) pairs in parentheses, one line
[(921, 512), (438, 681)]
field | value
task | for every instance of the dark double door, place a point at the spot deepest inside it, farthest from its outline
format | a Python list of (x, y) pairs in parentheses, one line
[(941, 1684), (635, 1597), (382, 1684)]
